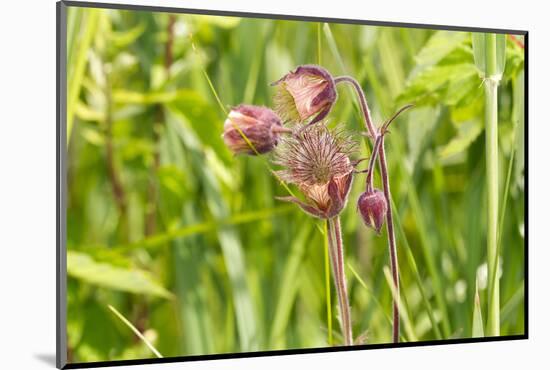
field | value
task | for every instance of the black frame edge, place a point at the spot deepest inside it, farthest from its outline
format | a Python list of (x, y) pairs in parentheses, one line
[(237, 355)]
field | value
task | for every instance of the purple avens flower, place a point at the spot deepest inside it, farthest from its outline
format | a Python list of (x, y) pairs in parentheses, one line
[(316, 159), (306, 92), (373, 207), (252, 129)]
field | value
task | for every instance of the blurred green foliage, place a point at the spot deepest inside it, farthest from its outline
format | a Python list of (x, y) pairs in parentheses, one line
[(188, 241)]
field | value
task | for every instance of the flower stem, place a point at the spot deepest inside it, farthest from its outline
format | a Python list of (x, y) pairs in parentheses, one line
[(336, 249), (386, 187), (391, 239), (362, 100), (372, 161)]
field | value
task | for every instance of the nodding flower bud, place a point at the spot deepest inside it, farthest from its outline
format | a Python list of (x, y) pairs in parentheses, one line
[(373, 208), (306, 92), (252, 130)]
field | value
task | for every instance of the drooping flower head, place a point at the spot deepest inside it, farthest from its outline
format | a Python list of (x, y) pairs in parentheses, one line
[(250, 125), (373, 207), (306, 92), (317, 160)]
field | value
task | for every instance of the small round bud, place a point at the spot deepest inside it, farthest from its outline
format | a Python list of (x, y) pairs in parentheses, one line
[(250, 124), (373, 208), (306, 92)]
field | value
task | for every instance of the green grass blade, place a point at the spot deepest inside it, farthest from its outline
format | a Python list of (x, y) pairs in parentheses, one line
[(81, 58), (334, 47), (477, 321), (409, 327), (288, 288), (426, 245), (412, 264), (160, 240), (513, 303), (369, 291), (136, 332), (488, 57)]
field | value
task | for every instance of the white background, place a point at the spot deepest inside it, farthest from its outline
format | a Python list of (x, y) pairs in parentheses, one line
[(27, 182)]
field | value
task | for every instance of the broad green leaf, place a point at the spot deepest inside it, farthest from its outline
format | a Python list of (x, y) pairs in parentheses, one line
[(477, 321), (430, 85), (438, 46), (467, 133), (81, 266), (460, 87)]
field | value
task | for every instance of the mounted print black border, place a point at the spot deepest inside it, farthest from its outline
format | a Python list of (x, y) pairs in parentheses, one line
[(61, 188)]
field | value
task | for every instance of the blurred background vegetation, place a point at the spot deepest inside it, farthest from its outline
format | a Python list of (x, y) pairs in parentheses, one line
[(188, 242)]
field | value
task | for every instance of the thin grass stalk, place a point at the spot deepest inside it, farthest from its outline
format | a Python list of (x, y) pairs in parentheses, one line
[(336, 249), (135, 330), (387, 193), (491, 154)]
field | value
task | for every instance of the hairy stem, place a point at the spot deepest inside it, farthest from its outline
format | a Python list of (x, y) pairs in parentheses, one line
[(362, 101), (336, 249), (391, 239), (386, 187), (372, 161)]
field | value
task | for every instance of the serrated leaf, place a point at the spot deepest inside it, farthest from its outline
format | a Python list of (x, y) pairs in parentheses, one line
[(438, 46), (467, 133), (477, 321), (429, 86), (460, 87), (83, 267)]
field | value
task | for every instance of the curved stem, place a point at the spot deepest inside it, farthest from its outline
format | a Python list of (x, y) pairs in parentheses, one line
[(336, 248), (386, 187), (372, 161), (362, 100), (378, 143)]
